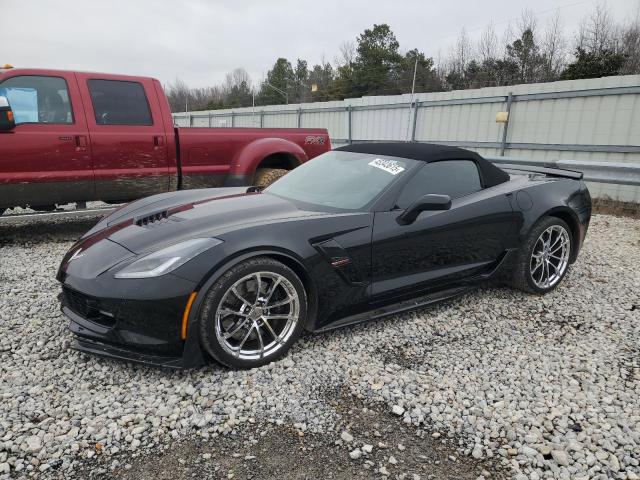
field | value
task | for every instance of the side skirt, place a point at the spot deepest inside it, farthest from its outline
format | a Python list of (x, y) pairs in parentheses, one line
[(394, 308), (426, 299)]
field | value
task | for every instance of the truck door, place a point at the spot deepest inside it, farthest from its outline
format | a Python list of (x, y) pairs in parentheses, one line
[(46, 159), (128, 140)]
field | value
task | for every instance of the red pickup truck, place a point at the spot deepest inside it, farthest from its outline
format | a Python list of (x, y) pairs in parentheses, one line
[(75, 137)]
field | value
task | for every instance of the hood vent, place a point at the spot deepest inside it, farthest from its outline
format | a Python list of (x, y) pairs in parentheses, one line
[(151, 219)]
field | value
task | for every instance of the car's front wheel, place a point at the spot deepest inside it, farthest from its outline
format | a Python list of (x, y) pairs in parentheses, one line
[(253, 313), (544, 258)]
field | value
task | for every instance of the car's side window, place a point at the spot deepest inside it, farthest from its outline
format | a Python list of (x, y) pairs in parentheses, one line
[(118, 102), (38, 99), (455, 178)]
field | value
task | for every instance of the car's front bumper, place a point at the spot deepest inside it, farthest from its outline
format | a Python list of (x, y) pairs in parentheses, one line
[(142, 331)]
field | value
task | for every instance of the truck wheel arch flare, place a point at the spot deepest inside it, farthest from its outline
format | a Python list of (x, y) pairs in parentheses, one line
[(248, 159)]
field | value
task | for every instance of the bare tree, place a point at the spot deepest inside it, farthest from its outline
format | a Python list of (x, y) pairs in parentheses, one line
[(346, 56), (462, 53), (508, 36), (178, 95), (597, 32), (554, 48), (488, 44), (630, 44), (527, 21), (236, 78)]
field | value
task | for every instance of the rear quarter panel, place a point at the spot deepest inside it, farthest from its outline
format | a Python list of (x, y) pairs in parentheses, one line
[(209, 155), (539, 196)]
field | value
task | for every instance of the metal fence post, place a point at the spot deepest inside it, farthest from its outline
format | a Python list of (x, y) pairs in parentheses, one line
[(210, 119), (505, 127), (299, 117), (190, 119), (415, 120), (349, 123), (261, 118), (233, 119)]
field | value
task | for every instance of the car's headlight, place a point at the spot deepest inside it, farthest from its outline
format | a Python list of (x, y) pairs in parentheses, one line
[(168, 259)]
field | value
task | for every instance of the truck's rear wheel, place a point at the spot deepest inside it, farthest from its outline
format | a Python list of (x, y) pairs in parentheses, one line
[(266, 176)]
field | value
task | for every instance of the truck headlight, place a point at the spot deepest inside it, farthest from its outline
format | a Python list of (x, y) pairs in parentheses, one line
[(168, 259)]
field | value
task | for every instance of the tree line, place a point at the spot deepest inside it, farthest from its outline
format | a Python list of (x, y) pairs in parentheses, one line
[(376, 65)]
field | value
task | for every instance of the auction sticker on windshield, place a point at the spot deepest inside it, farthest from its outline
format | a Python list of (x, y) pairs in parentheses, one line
[(390, 166)]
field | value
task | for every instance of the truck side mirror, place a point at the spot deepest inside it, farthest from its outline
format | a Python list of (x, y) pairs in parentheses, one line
[(7, 120), (425, 203)]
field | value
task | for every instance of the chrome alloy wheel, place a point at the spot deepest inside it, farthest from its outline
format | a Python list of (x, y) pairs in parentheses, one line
[(550, 256), (257, 315)]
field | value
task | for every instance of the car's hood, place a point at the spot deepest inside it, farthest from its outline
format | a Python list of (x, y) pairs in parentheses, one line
[(206, 213)]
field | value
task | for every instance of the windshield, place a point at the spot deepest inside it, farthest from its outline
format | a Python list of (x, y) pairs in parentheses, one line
[(344, 180)]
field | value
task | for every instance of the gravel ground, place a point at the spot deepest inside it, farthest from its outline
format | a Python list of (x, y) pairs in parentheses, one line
[(67, 207), (495, 383)]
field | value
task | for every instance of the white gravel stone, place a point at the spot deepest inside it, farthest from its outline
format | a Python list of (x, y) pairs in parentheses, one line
[(32, 444), (397, 409), (355, 454), (477, 451), (346, 436), (561, 457)]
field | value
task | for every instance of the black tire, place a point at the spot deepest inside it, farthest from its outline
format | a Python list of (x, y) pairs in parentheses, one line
[(216, 294), (266, 176), (522, 278)]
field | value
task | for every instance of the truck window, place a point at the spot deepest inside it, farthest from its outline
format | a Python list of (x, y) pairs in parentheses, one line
[(38, 99), (118, 102)]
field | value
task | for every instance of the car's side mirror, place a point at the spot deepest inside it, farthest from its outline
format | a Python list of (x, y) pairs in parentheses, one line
[(7, 120), (424, 203)]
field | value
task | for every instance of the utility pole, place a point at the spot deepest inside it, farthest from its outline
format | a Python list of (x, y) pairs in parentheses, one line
[(413, 89)]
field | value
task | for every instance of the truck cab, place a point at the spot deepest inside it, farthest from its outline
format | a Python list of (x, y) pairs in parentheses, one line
[(82, 136)]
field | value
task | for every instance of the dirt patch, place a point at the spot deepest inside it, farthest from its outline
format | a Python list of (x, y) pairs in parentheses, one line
[(269, 451), (607, 206)]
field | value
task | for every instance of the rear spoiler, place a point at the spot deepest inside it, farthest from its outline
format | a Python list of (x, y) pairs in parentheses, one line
[(553, 172)]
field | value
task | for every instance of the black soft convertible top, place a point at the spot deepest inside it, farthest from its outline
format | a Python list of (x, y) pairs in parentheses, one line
[(432, 152)]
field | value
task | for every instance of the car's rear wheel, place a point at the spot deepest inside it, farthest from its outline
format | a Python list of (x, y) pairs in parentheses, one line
[(253, 313), (266, 176), (544, 258)]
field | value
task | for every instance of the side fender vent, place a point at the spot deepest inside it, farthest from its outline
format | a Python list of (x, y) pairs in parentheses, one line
[(339, 260)]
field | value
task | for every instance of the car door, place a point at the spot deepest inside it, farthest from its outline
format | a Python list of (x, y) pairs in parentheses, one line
[(127, 136), (445, 246), (46, 159)]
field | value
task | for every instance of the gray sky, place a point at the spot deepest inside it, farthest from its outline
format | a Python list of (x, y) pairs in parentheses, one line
[(200, 40)]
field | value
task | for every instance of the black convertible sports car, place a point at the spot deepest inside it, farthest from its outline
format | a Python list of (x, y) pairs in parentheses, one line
[(358, 233)]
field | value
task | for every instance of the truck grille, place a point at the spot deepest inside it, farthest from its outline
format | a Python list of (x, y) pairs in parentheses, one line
[(87, 307)]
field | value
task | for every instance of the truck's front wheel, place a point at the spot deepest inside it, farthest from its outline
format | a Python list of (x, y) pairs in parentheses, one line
[(266, 176)]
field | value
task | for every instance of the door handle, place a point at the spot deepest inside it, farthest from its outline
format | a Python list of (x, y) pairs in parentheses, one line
[(81, 143), (158, 141)]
